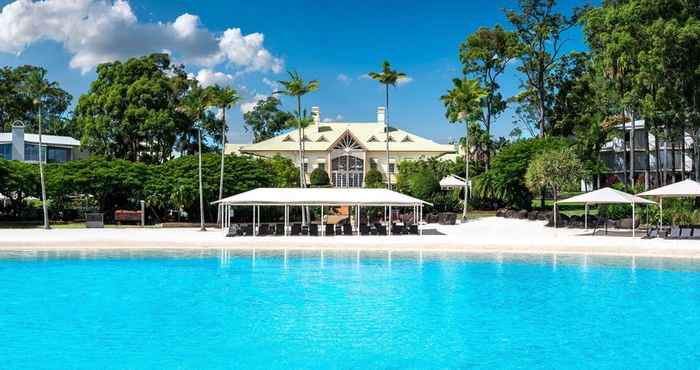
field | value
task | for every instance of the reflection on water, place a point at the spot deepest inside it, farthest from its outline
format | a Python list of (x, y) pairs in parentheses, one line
[(225, 256)]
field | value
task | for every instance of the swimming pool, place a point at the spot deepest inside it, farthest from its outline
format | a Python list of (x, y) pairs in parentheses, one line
[(344, 309)]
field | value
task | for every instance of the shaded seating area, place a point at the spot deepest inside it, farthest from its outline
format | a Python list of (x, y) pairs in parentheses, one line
[(357, 201), (602, 197), (683, 189)]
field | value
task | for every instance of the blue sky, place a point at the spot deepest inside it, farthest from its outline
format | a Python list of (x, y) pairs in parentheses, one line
[(333, 41)]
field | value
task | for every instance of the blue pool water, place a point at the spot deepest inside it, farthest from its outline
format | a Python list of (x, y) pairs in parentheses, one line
[(210, 309)]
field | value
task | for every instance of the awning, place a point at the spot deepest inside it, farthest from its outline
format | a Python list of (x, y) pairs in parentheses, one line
[(605, 196), (686, 188), (322, 196), (451, 182)]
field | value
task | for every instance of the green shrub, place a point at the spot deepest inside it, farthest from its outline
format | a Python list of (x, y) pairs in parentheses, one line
[(319, 177), (374, 179)]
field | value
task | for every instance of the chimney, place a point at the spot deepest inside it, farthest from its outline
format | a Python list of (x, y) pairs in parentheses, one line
[(18, 141), (316, 115), (381, 115)]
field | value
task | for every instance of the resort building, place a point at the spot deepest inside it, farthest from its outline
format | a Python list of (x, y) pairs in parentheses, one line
[(347, 150), (675, 156), (17, 145)]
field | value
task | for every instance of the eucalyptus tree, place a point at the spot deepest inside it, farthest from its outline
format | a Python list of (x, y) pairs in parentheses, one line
[(539, 27), (296, 87), (463, 105), (39, 88), (387, 77), (195, 106), (224, 98), (485, 55)]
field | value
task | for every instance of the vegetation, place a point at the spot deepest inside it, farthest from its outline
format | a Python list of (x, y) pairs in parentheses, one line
[(387, 77), (266, 120), (554, 170), (374, 179), (319, 178)]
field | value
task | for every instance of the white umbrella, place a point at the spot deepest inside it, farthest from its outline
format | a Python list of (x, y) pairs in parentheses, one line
[(451, 182), (683, 189), (604, 196)]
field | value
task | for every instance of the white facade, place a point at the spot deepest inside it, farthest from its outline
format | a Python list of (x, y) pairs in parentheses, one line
[(17, 145), (347, 150)]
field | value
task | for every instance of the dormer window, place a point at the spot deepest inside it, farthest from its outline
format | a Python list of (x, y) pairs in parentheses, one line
[(287, 139)]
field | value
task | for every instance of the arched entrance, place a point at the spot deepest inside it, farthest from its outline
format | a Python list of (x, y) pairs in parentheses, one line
[(347, 163)]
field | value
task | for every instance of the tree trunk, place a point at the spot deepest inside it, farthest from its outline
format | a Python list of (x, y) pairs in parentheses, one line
[(466, 172), (673, 160), (201, 189), (41, 176), (632, 150), (683, 153), (624, 152), (223, 152), (648, 157), (659, 170), (386, 127)]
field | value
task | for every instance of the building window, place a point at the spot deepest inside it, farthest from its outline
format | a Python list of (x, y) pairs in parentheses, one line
[(6, 151), (58, 155), (392, 167), (31, 152), (306, 165), (373, 164), (322, 166)]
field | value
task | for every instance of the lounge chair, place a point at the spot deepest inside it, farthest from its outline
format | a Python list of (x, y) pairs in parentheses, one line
[(364, 229), (652, 233), (330, 230), (413, 229), (686, 233), (675, 233), (396, 229), (247, 230), (279, 230), (381, 229), (338, 229), (313, 229), (696, 233), (296, 229), (347, 229), (233, 230), (264, 230), (305, 230)]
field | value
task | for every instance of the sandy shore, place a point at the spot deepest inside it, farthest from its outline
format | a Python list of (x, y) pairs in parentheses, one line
[(493, 235)]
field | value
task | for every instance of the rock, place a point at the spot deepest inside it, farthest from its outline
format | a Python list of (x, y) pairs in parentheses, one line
[(501, 212), (521, 215), (532, 216), (432, 218), (626, 223), (544, 216)]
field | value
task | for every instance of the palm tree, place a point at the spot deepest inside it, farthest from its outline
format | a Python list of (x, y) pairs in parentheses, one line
[(297, 87), (195, 106), (37, 87), (224, 98), (463, 103), (387, 77)]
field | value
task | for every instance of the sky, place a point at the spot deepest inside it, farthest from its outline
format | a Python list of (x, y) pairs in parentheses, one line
[(250, 45)]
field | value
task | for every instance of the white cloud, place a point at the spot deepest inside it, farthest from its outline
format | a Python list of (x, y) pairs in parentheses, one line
[(337, 118), (404, 81), (274, 86), (97, 31), (364, 76), (249, 104), (342, 77), (207, 77)]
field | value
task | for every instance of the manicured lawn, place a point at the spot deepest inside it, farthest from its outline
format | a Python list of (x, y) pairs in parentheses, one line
[(71, 225)]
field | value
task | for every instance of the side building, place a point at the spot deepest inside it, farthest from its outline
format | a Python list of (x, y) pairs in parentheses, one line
[(347, 150), (20, 146), (672, 158)]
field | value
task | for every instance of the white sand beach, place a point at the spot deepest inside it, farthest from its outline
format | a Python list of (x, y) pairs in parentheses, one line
[(495, 235)]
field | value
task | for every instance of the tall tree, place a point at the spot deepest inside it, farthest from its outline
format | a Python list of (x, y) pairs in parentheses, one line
[(195, 105), (266, 119), (130, 110), (463, 104), (539, 27), (224, 98), (387, 77), (485, 55), (297, 87), (40, 89), (17, 104)]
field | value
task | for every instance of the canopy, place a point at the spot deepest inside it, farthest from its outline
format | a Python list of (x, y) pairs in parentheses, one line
[(322, 196), (451, 182), (605, 196), (686, 188)]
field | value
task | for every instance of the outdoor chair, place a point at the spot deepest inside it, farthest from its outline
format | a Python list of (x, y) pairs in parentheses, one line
[(652, 233), (364, 229), (413, 229), (330, 230), (313, 229), (675, 233), (373, 230), (279, 230), (396, 229), (381, 229), (347, 229), (338, 229), (264, 229), (686, 233), (233, 230), (296, 229), (247, 230), (305, 230), (696, 233)]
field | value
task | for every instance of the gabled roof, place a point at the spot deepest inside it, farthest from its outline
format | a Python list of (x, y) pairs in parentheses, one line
[(6, 137), (369, 135)]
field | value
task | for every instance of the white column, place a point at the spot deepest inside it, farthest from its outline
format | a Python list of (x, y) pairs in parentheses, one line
[(254, 233), (633, 218), (661, 211), (585, 220), (388, 226), (323, 226), (286, 218)]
